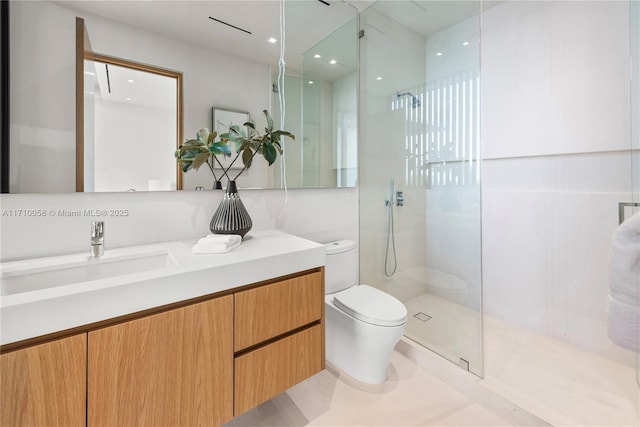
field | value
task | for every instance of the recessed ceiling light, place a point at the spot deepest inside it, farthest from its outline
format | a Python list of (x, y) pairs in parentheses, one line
[(130, 81), (333, 61), (272, 40), (439, 54), (465, 43), (317, 56), (378, 78), (128, 99), (310, 82)]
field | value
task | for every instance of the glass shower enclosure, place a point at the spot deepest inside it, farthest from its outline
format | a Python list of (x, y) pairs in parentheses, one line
[(419, 169), (527, 305)]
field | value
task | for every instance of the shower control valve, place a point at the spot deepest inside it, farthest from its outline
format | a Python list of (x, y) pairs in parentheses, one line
[(399, 198)]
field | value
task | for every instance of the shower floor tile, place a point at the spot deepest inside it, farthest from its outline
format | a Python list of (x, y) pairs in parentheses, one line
[(453, 331)]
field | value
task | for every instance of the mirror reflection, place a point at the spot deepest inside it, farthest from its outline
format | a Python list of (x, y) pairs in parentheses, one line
[(321, 105), (130, 124), (222, 68)]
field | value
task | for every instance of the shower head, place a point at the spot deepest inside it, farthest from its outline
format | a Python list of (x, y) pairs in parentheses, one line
[(415, 102)]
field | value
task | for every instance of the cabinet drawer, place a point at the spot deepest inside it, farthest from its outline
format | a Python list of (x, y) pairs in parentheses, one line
[(271, 310), (268, 371)]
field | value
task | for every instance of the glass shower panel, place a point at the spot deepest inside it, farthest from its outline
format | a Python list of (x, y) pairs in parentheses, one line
[(420, 125), (557, 159)]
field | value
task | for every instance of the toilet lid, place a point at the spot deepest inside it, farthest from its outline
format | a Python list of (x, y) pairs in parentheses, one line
[(371, 306)]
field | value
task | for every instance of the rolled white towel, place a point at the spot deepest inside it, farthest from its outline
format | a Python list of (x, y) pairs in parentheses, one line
[(624, 260), (217, 244), (225, 239), (623, 326)]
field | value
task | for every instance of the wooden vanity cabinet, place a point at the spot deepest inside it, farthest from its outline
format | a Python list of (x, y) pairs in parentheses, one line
[(197, 364), (173, 368), (45, 385), (279, 338)]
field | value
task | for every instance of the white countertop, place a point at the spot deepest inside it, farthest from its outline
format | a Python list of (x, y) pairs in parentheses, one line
[(263, 255)]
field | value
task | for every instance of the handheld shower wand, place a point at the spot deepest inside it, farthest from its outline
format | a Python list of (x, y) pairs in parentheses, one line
[(390, 233)]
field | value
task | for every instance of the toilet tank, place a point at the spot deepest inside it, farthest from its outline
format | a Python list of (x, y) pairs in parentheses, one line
[(341, 268)]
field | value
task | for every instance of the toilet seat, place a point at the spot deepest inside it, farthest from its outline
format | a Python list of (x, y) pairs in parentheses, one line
[(371, 305)]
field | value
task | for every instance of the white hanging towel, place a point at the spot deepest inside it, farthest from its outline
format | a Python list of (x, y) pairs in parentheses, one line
[(623, 321), (217, 244)]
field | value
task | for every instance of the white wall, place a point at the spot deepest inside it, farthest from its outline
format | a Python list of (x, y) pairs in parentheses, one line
[(133, 146), (556, 148), (318, 214)]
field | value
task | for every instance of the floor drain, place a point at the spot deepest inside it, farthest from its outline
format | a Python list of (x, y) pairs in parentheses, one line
[(422, 317)]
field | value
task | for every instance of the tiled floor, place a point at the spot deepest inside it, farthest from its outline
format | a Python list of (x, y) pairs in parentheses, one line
[(411, 397), (557, 382), (529, 379), (561, 383)]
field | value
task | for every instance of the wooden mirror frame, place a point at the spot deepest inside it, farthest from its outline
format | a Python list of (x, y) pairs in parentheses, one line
[(84, 52)]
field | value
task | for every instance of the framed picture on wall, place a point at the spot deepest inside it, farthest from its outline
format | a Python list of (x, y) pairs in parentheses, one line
[(222, 120)]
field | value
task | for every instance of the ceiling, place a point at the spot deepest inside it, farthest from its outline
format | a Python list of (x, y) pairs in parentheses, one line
[(113, 83), (307, 23), (310, 26)]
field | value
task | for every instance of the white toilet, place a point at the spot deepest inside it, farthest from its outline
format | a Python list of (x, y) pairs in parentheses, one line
[(363, 324)]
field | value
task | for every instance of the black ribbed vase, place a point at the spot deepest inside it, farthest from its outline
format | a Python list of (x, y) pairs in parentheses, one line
[(231, 217)]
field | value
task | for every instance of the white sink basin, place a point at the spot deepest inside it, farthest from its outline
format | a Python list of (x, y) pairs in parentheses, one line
[(47, 295), (71, 269)]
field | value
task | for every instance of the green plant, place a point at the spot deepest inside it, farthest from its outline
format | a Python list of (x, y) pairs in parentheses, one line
[(246, 139)]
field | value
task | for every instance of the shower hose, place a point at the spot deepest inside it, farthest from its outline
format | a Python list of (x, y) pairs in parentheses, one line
[(390, 235)]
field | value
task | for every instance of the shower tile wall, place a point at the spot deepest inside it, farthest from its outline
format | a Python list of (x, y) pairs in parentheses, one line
[(557, 160)]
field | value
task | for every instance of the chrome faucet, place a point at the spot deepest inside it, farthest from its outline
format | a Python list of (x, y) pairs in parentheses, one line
[(97, 238)]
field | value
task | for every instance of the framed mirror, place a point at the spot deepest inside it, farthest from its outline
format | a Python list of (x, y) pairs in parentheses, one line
[(221, 66), (126, 106), (128, 117), (132, 120)]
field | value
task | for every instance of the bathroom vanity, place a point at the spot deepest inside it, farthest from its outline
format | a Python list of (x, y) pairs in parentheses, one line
[(210, 350)]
